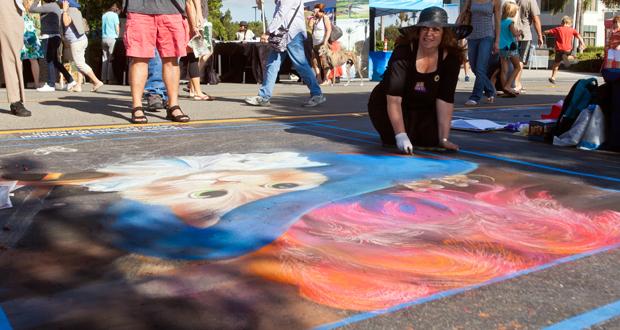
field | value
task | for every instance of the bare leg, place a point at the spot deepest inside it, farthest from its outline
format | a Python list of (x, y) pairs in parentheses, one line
[(504, 70), (138, 72), (554, 70), (34, 66), (171, 74), (518, 85), (195, 88), (516, 72), (91, 75)]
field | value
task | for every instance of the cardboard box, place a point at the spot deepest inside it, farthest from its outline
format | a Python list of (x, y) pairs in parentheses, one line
[(541, 130)]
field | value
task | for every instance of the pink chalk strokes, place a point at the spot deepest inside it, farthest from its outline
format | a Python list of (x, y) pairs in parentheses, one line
[(385, 248)]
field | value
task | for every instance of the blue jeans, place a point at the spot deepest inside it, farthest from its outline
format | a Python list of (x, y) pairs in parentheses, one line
[(155, 83), (479, 52), (295, 50)]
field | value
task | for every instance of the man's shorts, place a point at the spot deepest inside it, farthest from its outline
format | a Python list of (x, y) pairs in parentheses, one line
[(613, 55), (559, 55), (524, 51), (168, 33)]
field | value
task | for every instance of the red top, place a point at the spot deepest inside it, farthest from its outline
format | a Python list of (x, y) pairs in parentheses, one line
[(563, 37), (614, 39)]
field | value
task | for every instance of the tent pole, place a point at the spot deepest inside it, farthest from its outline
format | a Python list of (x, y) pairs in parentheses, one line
[(371, 37)]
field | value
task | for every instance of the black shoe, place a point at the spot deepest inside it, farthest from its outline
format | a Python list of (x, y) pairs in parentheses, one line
[(154, 102), (19, 110)]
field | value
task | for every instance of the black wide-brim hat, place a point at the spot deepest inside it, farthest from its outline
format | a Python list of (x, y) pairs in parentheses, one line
[(437, 17)]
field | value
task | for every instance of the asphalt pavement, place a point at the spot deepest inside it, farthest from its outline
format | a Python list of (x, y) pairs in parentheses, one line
[(287, 217)]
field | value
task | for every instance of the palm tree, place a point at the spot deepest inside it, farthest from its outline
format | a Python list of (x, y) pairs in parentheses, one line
[(403, 18)]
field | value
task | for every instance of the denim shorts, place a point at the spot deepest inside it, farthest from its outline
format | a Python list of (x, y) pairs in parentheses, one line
[(508, 53)]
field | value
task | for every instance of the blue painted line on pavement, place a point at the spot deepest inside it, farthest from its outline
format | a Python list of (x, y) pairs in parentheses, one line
[(589, 319), (368, 315), (545, 167), (504, 159), (4, 321)]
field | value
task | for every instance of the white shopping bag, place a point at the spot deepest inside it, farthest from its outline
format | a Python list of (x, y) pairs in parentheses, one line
[(594, 135), (572, 137)]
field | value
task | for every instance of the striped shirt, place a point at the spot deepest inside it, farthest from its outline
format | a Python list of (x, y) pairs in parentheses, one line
[(482, 20)]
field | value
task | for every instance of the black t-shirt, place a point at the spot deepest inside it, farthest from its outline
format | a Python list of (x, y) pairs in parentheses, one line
[(397, 77)]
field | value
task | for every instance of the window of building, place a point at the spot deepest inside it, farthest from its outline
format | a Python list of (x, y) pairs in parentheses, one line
[(545, 5), (592, 6), (589, 35)]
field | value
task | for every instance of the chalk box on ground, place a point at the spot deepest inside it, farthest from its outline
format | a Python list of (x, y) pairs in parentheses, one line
[(541, 130)]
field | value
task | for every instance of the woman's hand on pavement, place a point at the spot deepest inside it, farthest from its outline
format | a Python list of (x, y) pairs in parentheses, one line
[(403, 143)]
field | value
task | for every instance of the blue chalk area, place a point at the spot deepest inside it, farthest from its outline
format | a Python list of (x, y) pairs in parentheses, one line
[(4, 321), (155, 231), (589, 319)]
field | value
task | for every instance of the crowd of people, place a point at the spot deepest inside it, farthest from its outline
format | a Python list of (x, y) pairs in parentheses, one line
[(414, 102)]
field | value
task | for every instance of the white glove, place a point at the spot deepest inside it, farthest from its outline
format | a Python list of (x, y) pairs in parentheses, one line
[(403, 143)]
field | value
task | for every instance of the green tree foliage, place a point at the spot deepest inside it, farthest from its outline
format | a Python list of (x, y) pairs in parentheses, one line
[(391, 34)]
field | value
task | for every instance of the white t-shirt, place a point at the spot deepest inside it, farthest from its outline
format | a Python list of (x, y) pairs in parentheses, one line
[(318, 32), (246, 35)]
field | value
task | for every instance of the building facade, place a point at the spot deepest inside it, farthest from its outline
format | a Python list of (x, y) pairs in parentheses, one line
[(593, 25)]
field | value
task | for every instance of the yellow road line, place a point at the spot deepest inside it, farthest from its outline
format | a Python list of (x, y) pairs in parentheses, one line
[(194, 122), (233, 120)]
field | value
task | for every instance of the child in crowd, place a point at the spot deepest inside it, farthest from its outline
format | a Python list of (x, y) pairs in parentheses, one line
[(613, 45), (563, 45), (508, 47)]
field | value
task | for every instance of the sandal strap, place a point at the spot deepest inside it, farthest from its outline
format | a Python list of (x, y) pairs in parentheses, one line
[(133, 114)]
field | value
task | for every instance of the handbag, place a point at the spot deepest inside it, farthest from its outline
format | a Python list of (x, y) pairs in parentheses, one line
[(278, 40)]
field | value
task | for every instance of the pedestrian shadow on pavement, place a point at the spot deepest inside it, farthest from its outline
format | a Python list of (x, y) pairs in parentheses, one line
[(97, 105)]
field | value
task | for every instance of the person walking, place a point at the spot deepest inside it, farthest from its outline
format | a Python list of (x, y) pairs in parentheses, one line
[(74, 33), (110, 29), (564, 45), (11, 43), (508, 49), (481, 43), (32, 45), (156, 24), (612, 44), (288, 11), (321, 28), (529, 14), (50, 34)]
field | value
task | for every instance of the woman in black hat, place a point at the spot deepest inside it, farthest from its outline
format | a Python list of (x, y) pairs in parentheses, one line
[(413, 104)]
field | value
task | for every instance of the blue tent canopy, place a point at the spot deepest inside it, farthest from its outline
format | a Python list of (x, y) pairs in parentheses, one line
[(390, 7)]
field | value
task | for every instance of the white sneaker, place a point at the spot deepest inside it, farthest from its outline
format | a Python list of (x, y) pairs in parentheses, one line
[(71, 85), (314, 101), (46, 88), (257, 101), (471, 103)]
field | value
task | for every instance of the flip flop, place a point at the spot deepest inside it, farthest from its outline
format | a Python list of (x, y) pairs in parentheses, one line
[(96, 87), (205, 97)]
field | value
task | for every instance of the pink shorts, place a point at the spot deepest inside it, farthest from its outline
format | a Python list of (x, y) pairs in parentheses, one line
[(169, 33)]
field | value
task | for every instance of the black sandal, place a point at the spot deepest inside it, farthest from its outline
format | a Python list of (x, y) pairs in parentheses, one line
[(178, 118), (138, 119)]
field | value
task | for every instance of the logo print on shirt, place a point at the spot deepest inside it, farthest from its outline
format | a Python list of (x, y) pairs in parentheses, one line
[(419, 87)]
